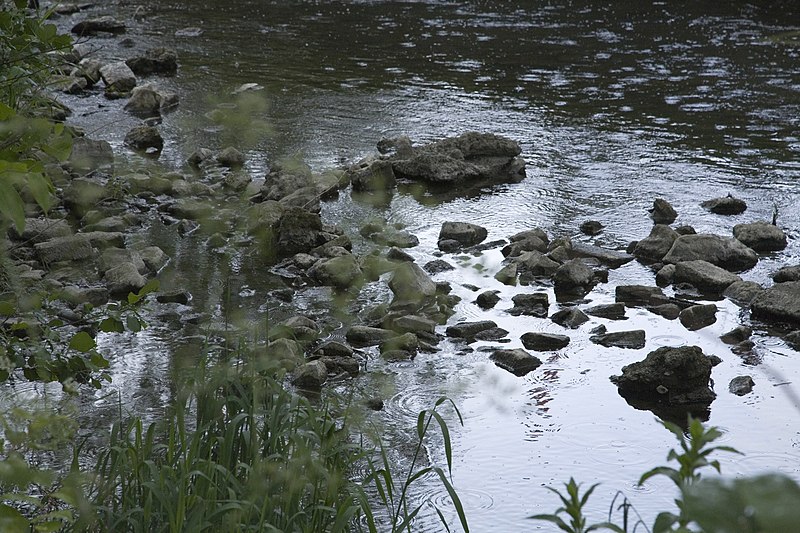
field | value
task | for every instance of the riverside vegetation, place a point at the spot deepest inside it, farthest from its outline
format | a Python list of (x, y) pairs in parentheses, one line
[(237, 450)]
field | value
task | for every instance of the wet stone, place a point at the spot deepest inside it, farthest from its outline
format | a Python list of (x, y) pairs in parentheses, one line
[(487, 299), (571, 317), (591, 227), (534, 304), (743, 348), (468, 330), (491, 334), (741, 385), (787, 273), (662, 212), (727, 205), (544, 342), (615, 311), (437, 266), (736, 335), (518, 362), (634, 339), (698, 316), (742, 293), (310, 376)]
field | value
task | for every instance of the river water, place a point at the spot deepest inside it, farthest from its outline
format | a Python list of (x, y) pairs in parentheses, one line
[(614, 104)]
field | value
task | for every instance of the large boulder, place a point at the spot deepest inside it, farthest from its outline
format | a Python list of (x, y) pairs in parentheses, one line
[(780, 302), (147, 101), (706, 277), (468, 157), (71, 248), (725, 252), (611, 258), (760, 236), (144, 138), (535, 264), (372, 175), (727, 205), (88, 155), (673, 375), (656, 245), (573, 276), (124, 278), (285, 178)]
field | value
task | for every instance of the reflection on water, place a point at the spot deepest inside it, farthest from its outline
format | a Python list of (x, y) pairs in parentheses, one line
[(614, 104)]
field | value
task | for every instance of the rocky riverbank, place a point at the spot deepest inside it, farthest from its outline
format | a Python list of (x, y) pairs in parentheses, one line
[(90, 247)]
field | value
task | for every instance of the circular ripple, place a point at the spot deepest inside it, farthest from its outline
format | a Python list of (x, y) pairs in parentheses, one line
[(618, 452), (668, 340), (758, 463)]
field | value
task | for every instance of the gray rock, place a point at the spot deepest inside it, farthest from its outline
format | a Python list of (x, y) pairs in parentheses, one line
[(615, 311), (333, 350), (118, 78), (340, 272), (787, 273), (410, 284), (672, 375), (360, 336), (743, 292), (591, 227), (668, 311), (487, 299), (230, 157), (536, 264), (264, 218), (640, 295), (285, 178), (698, 316), (144, 138), (74, 248), (741, 385), (532, 304), (437, 266), (89, 69), (105, 239), (155, 61), (573, 276), (105, 24), (341, 365), (727, 205), (704, 276), (298, 231), (191, 209), (174, 297), (780, 302), (123, 279), (725, 252), (537, 233), (42, 229), (148, 101), (663, 212), (113, 257), (468, 330), (529, 244), (544, 342), (518, 362), (89, 155), (760, 236), (310, 376), (736, 335), (507, 275), (793, 340), (396, 254), (656, 245), (610, 258), (665, 275), (372, 175), (634, 339), (464, 233), (492, 334), (418, 325), (468, 157), (407, 342), (571, 317)]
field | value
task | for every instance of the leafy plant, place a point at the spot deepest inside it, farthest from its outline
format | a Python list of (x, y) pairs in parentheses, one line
[(573, 504), (694, 457), (394, 498)]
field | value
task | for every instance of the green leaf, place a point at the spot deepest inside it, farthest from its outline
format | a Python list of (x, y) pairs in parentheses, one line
[(111, 325), (133, 323), (7, 308), (11, 205), (82, 342), (40, 188), (11, 521), (664, 522)]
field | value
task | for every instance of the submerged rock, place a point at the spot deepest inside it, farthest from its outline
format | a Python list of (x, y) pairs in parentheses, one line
[(518, 362), (610, 258)]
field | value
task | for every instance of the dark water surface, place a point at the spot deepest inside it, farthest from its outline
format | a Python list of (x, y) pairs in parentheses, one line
[(614, 103)]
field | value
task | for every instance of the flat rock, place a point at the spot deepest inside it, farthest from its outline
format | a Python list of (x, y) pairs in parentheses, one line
[(787, 273), (72, 248), (704, 276), (437, 266), (339, 272), (634, 339), (105, 24), (725, 252), (468, 330), (518, 362), (640, 295), (544, 342), (491, 334), (760, 236), (361, 336), (743, 292), (610, 258), (154, 61), (780, 302), (615, 311), (465, 233)]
